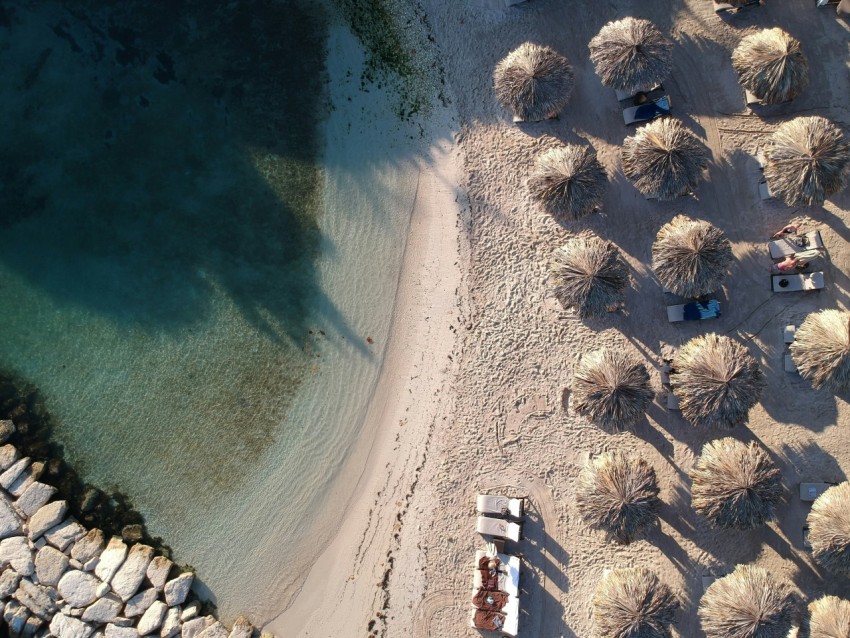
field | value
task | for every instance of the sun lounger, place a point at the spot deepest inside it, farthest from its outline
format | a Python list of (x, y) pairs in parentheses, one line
[(672, 402), (509, 576), (789, 333), (722, 7), (797, 282), (499, 528), (505, 622), (499, 505), (810, 491), (694, 311), (647, 112), (625, 95), (764, 190), (789, 364), (788, 246)]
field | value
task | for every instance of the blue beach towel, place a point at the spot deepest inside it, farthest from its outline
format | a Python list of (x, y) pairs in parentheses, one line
[(697, 310)]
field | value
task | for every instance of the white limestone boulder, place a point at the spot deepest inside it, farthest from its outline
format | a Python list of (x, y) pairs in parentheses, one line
[(8, 456), (88, 547), (65, 534), (15, 615), (103, 610), (192, 628), (9, 580), (16, 551), (177, 589), (190, 611), (13, 472), (111, 559), (139, 603), (25, 479), (158, 571), (130, 575), (79, 589), (10, 522), (50, 564), (152, 619), (216, 630), (63, 626), (242, 628), (41, 601), (171, 623), (116, 631), (46, 517), (34, 498)]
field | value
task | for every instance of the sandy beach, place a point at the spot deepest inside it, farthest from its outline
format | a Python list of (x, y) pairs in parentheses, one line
[(475, 392)]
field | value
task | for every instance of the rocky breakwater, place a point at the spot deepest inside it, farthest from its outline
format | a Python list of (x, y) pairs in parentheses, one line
[(59, 579)]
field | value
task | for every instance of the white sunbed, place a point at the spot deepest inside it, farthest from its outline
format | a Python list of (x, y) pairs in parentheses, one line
[(810, 491), (693, 311), (797, 282), (498, 527), (499, 505), (508, 579), (764, 190), (648, 111), (626, 95), (789, 364), (788, 246), (789, 333)]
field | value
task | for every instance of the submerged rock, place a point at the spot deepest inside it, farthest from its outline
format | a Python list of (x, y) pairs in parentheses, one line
[(132, 533)]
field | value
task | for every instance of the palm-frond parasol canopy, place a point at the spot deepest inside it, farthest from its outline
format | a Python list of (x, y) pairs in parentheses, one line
[(631, 54), (589, 275), (664, 159), (829, 529), (808, 159), (716, 380), (771, 65), (533, 82), (690, 257), (735, 485), (611, 388), (827, 617), (633, 603), (618, 494), (568, 181), (748, 603), (821, 349)]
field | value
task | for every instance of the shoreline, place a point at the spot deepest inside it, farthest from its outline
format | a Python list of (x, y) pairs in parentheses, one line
[(409, 397)]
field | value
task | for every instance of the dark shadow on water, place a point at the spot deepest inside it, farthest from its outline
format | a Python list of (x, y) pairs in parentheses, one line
[(158, 154)]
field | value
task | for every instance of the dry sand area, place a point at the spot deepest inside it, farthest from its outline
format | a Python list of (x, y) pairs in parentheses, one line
[(511, 426)]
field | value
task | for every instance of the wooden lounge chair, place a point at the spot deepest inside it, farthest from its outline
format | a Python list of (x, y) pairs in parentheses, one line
[(500, 505), (787, 246), (797, 282), (694, 311), (810, 491), (499, 528)]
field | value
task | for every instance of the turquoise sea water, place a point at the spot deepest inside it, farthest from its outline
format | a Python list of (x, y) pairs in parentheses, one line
[(185, 276)]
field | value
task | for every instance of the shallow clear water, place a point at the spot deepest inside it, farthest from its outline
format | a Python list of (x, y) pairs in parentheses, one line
[(184, 282)]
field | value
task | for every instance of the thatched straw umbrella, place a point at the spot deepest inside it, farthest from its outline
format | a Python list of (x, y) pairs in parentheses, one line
[(735, 485), (748, 603), (771, 65), (533, 82), (821, 349), (611, 388), (631, 54), (589, 275), (664, 159), (716, 380), (808, 160), (568, 181), (827, 617), (690, 257), (618, 494), (633, 603), (829, 529)]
